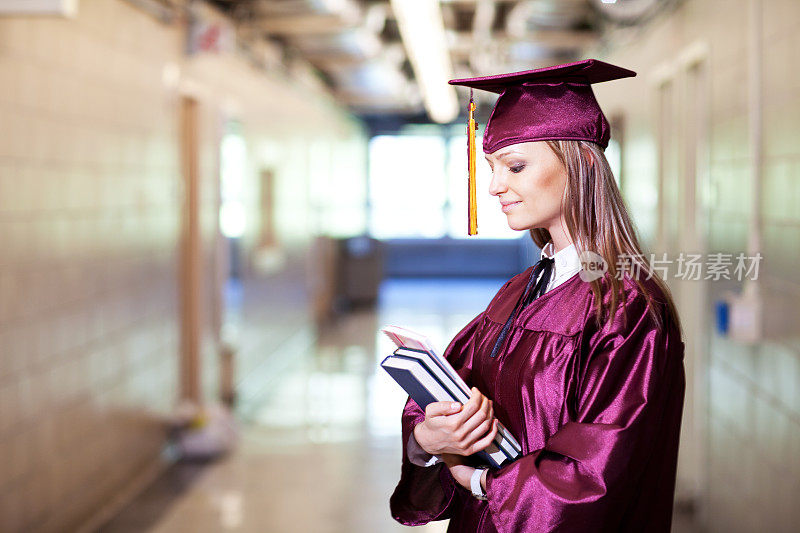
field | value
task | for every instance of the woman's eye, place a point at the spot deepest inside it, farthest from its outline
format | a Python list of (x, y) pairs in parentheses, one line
[(517, 169)]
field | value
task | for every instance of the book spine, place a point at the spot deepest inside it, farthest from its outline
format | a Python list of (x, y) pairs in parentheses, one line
[(493, 456), (505, 443)]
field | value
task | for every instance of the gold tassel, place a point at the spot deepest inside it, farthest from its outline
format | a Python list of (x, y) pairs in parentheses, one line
[(472, 225)]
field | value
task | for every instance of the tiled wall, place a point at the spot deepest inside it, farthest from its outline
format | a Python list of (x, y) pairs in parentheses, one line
[(742, 430), (90, 222)]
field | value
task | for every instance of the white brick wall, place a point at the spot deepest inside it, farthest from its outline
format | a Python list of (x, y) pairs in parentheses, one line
[(88, 225)]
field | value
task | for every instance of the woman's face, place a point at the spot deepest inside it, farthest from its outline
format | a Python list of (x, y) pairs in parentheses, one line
[(529, 180)]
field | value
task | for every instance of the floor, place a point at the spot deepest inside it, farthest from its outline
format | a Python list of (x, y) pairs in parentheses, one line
[(321, 451)]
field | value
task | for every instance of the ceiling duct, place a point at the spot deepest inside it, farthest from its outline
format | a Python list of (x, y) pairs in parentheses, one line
[(630, 12), (542, 32), (529, 16), (360, 51), (306, 17)]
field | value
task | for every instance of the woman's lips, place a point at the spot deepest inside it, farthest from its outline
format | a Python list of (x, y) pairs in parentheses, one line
[(507, 207)]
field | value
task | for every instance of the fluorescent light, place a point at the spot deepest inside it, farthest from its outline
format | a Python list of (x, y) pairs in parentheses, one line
[(422, 29), (609, 1)]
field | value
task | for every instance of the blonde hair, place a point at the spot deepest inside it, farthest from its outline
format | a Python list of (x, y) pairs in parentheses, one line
[(598, 221)]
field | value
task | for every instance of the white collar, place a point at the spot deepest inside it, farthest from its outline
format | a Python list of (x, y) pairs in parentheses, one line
[(566, 259)]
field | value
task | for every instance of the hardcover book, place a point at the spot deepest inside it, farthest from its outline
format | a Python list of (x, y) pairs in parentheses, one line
[(428, 377)]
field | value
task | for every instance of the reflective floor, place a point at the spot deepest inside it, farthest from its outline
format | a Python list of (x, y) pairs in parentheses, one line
[(321, 450)]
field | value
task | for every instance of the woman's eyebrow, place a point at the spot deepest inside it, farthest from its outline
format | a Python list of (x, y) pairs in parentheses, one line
[(501, 156)]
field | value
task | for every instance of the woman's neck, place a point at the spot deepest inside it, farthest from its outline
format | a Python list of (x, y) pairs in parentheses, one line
[(559, 236)]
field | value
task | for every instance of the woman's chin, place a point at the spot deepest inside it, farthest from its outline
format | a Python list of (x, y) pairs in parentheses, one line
[(520, 225), (517, 227)]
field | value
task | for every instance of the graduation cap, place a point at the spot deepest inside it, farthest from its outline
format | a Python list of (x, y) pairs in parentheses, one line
[(548, 103)]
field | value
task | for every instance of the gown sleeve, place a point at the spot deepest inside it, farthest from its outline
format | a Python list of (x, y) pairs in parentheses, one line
[(630, 379), (424, 493)]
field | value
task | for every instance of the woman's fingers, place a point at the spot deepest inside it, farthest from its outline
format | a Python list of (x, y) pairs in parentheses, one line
[(471, 407), (451, 427), (441, 408), (484, 442), (475, 420), (476, 434)]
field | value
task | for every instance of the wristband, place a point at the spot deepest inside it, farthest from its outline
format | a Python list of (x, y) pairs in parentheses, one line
[(475, 484)]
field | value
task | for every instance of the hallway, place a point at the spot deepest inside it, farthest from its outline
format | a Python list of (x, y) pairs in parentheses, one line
[(188, 188)]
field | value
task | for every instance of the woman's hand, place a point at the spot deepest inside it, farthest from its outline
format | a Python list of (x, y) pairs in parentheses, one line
[(452, 428), (461, 472)]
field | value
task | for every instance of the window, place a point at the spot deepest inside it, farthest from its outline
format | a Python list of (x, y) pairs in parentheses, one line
[(233, 160), (418, 188), (407, 190)]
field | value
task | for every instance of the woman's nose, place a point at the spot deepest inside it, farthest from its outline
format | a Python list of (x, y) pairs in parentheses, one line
[(497, 185)]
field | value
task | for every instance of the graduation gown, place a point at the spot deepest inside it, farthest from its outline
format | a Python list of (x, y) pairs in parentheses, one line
[(597, 412)]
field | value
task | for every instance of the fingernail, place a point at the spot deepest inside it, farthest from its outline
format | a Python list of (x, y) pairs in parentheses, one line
[(454, 405)]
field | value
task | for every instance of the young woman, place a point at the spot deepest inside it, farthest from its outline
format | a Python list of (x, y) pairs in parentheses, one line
[(583, 367)]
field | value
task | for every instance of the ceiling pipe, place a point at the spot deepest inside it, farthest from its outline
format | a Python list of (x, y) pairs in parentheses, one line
[(481, 56)]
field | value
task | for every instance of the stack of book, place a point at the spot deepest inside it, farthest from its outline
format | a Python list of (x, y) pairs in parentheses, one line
[(428, 377)]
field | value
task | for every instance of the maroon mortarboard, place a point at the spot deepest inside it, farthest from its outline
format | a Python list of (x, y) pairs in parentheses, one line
[(547, 103)]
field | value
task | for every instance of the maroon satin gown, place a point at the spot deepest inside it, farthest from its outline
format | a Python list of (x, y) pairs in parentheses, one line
[(597, 412)]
